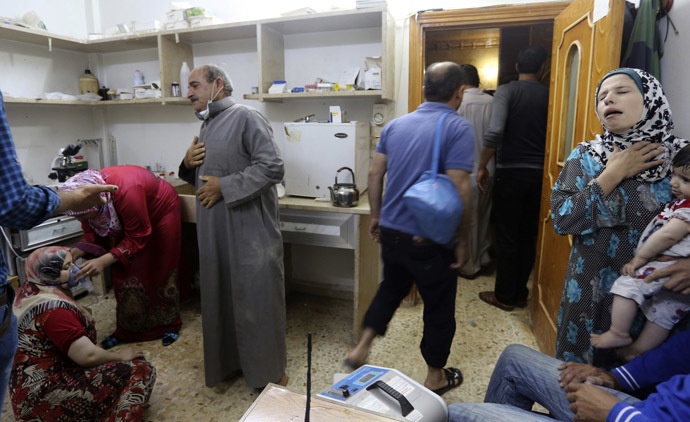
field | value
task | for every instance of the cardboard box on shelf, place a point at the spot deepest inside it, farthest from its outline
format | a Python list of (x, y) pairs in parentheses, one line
[(193, 12), (204, 21), (372, 78), (174, 15), (176, 25)]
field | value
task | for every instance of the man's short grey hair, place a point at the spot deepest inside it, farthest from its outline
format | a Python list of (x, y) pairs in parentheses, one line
[(213, 72)]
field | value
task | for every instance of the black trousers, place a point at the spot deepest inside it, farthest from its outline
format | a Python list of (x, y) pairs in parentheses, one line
[(427, 264), (517, 196)]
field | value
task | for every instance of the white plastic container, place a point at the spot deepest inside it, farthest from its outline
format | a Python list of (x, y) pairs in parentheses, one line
[(184, 78), (138, 78)]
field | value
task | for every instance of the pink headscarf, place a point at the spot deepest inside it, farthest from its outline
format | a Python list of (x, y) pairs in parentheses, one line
[(39, 293), (106, 222)]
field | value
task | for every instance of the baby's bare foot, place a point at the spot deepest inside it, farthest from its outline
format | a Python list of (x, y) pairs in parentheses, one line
[(609, 340)]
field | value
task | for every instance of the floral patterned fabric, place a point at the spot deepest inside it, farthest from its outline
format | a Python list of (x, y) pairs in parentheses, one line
[(47, 385)]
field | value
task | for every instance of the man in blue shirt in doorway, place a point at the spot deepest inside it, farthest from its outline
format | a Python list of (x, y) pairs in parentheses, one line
[(403, 154), (22, 206)]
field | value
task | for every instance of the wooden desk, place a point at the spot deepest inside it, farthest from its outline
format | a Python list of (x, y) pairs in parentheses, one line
[(366, 252), (277, 404)]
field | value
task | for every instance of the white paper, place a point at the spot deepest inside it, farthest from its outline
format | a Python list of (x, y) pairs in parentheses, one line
[(400, 385), (601, 9)]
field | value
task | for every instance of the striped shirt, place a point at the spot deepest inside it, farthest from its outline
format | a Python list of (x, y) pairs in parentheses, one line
[(667, 367)]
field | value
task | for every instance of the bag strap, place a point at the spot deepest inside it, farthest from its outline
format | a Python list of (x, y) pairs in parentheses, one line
[(437, 146)]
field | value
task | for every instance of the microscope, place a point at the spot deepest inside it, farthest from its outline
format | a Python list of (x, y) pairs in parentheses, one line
[(62, 165)]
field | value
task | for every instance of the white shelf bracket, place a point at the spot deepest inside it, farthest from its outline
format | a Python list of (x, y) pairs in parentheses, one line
[(50, 44), (177, 38)]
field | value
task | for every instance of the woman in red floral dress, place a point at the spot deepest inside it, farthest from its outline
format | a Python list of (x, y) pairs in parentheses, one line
[(59, 374)]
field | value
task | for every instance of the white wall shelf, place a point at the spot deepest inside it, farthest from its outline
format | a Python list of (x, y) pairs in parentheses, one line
[(175, 47), (164, 101), (313, 94)]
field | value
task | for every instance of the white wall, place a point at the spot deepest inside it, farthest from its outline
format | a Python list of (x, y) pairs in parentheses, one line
[(674, 67), (64, 17)]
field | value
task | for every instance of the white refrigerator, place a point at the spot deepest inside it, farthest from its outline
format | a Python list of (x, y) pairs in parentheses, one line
[(314, 152)]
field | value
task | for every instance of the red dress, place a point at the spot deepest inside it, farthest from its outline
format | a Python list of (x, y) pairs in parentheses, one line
[(148, 249), (46, 385)]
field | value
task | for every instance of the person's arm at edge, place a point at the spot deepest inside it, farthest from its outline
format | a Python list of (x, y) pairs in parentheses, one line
[(461, 180), (377, 171), (87, 355), (493, 136), (82, 198), (656, 365)]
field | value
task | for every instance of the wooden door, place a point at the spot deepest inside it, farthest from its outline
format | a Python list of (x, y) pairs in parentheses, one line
[(582, 53)]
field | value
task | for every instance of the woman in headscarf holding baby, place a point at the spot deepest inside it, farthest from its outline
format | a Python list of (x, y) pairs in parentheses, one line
[(59, 374), (607, 192), (138, 234)]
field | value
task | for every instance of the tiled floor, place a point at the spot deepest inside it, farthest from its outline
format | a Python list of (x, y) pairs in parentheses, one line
[(180, 394)]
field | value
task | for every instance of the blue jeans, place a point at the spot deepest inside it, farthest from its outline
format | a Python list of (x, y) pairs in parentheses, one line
[(521, 378), (8, 344)]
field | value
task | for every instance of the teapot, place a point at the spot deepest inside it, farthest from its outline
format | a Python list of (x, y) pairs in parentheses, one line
[(344, 194)]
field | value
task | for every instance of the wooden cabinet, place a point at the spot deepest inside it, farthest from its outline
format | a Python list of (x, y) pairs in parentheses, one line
[(275, 40)]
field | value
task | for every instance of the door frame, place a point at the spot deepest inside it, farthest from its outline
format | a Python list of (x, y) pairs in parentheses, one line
[(482, 17)]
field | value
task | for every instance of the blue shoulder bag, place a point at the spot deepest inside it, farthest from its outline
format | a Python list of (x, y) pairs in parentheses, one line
[(433, 199)]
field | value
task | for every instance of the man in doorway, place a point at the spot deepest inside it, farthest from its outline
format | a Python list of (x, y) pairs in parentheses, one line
[(476, 107), (234, 164), (403, 154), (23, 206), (517, 136)]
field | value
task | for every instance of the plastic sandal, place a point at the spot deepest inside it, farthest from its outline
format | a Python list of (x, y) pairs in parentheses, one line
[(169, 338), (109, 341), (454, 378)]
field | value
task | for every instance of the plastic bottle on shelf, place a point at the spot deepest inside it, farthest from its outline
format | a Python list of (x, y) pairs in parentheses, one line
[(138, 78), (88, 83), (184, 79)]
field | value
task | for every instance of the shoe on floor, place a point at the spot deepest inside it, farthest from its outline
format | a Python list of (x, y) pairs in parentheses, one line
[(109, 341), (454, 378), (490, 298), (169, 338)]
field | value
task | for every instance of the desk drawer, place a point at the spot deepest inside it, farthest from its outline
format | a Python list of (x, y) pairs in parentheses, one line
[(329, 229), (49, 232)]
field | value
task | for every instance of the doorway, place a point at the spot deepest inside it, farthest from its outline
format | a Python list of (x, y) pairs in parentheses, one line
[(493, 51), (517, 26)]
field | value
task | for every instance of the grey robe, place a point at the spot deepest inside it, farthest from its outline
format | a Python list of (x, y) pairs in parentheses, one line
[(241, 248)]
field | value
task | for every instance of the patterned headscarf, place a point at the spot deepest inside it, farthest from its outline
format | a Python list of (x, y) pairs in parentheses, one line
[(106, 222), (39, 294), (655, 125)]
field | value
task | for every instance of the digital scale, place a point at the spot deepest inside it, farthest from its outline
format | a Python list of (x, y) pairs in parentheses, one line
[(390, 392)]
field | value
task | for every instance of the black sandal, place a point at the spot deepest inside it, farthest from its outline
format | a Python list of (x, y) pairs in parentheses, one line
[(454, 378)]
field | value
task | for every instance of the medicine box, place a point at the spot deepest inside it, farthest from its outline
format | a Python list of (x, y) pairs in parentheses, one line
[(196, 11), (372, 78), (176, 25), (203, 21), (174, 15)]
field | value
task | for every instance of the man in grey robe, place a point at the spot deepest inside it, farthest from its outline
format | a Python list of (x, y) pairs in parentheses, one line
[(476, 107), (234, 164)]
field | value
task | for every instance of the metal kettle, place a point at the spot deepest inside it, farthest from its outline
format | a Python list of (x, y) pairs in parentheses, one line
[(344, 194)]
